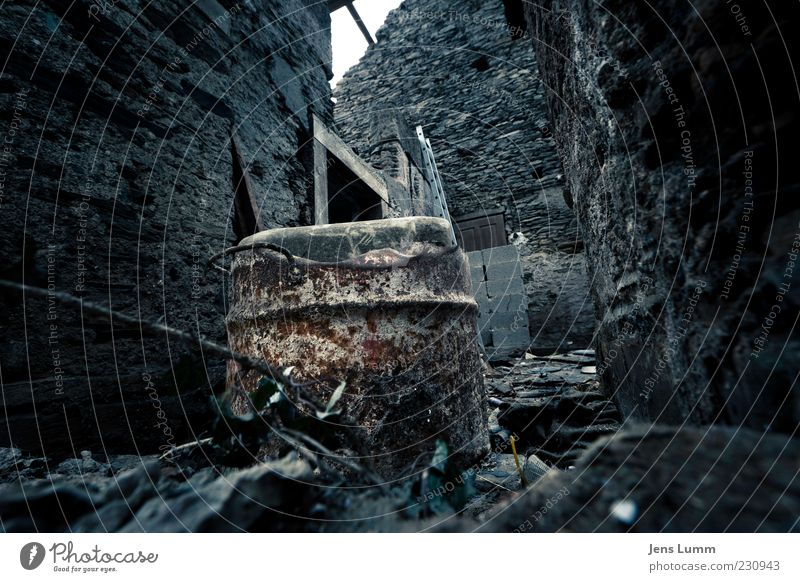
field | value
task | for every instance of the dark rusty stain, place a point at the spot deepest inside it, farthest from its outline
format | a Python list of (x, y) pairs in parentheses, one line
[(372, 326)]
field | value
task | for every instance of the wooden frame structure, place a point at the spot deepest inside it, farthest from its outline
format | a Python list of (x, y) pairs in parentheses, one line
[(326, 143)]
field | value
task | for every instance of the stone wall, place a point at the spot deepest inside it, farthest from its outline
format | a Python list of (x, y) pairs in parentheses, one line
[(678, 149), (118, 184), (463, 73)]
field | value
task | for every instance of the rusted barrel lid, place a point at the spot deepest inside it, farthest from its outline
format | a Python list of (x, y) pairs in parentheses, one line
[(341, 242)]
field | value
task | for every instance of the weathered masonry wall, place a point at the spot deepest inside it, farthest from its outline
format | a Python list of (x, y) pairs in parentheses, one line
[(680, 153), (458, 70), (118, 176)]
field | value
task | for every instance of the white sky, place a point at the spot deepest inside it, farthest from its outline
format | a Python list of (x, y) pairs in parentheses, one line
[(349, 45)]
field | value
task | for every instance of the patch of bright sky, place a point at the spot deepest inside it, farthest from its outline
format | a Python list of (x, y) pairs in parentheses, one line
[(349, 45)]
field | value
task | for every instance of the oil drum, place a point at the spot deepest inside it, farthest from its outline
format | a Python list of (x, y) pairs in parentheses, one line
[(383, 305)]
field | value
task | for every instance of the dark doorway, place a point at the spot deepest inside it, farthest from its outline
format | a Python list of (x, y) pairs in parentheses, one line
[(349, 198)]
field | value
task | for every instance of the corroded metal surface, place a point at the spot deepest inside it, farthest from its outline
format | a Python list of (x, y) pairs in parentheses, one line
[(398, 325)]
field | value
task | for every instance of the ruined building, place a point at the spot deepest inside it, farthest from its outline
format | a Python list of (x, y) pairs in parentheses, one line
[(225, 120), (468, 75), (551, 246)]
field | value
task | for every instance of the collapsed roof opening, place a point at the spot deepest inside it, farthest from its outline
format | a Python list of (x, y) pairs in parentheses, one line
[(334, 5), (350, 21)]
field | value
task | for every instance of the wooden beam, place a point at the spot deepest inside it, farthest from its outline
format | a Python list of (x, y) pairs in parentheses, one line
[(366, 173), (334, 5), (361, 26), (244, 193), (320, 182)]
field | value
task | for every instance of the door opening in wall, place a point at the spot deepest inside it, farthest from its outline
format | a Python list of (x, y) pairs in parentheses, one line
[(349, 198)]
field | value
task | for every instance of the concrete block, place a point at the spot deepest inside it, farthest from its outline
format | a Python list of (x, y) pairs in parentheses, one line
[(475, 259), (508, 339), (504, 353), (508, 320), (502, 254), (486, 335), (503, 271), (484, 329), (500, 288), (477, 274), (484, 311), (479, 292), (511, 302)]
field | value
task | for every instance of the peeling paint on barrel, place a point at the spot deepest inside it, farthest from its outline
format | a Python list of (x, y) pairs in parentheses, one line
[(404, 339)]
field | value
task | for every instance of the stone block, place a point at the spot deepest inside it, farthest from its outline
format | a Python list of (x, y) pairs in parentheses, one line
[(508, 339), (503, 271), (502, 254), (475, 259), (479, 292), (477, 274), (512, 302), (508, 320), (501, 288)]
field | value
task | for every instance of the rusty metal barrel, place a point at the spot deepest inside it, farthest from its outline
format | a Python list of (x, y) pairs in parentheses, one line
[(386, 306)]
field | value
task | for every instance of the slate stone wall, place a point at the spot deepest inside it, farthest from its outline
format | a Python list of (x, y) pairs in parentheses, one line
[(463, 73), (677, 126), (117, 185)]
